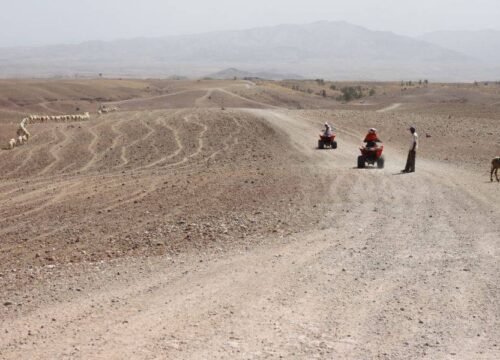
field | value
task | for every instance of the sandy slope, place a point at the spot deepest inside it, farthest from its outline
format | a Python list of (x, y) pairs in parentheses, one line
[(402, 267)]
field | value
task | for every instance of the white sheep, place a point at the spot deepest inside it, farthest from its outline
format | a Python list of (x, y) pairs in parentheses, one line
[(12, 143), (22, 131), (20, 140)]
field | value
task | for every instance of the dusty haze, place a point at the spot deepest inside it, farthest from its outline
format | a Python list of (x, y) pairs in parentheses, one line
[(32, 22)]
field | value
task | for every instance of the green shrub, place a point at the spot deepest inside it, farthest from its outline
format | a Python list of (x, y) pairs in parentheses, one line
[(350, 93)]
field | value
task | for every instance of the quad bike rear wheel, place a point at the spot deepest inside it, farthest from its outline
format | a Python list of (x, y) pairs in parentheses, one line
[(334, 144), (321, 144), (380, 162), (361, 162)]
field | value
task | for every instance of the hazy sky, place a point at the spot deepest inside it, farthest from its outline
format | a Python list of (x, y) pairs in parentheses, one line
[(40, 22)]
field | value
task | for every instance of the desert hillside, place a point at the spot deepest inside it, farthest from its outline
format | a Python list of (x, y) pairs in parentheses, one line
[(199, 220)]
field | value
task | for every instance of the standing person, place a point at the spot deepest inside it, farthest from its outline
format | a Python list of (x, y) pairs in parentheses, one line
[(412, 154)]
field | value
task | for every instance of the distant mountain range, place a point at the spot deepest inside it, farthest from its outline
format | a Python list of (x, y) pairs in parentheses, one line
[(332, 50), (483, 45)]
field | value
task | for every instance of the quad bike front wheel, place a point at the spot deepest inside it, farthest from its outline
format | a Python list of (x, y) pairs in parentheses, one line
[(321, 144)]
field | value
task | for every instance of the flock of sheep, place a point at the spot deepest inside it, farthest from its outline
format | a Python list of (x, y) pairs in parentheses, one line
[(105, 110), (23, 135)]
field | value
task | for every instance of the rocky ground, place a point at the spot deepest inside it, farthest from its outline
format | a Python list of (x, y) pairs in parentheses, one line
[(199, 221)]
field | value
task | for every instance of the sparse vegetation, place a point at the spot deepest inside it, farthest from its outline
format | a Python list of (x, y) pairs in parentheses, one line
[(350, 93)]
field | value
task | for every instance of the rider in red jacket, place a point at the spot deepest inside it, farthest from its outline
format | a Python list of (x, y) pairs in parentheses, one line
[(371, 139)]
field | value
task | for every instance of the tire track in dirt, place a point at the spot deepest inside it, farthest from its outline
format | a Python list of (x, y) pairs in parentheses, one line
[(199, 137), (230, 141), (153, 130), (203, 100), (124, 150), (91, 147), (94, 165), (137, 196), (180, 146), (390, 108), (54, 151), (61, 147), (51, 201), (265, 105), (198, 149)]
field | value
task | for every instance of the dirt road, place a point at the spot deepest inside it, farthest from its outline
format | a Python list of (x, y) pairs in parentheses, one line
[(390, 108), (406, 269)]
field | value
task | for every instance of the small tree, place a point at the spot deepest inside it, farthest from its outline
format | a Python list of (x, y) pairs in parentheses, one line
[(333, 87), (372, 92)]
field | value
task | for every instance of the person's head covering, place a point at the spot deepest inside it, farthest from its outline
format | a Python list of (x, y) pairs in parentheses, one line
[(372, 131), (413, 128)]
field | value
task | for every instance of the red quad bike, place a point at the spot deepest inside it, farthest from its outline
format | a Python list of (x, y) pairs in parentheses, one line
[(327, 141), (371, 156)]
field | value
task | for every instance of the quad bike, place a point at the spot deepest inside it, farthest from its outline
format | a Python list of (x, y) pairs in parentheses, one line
[(371, 156), (327, 141)]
